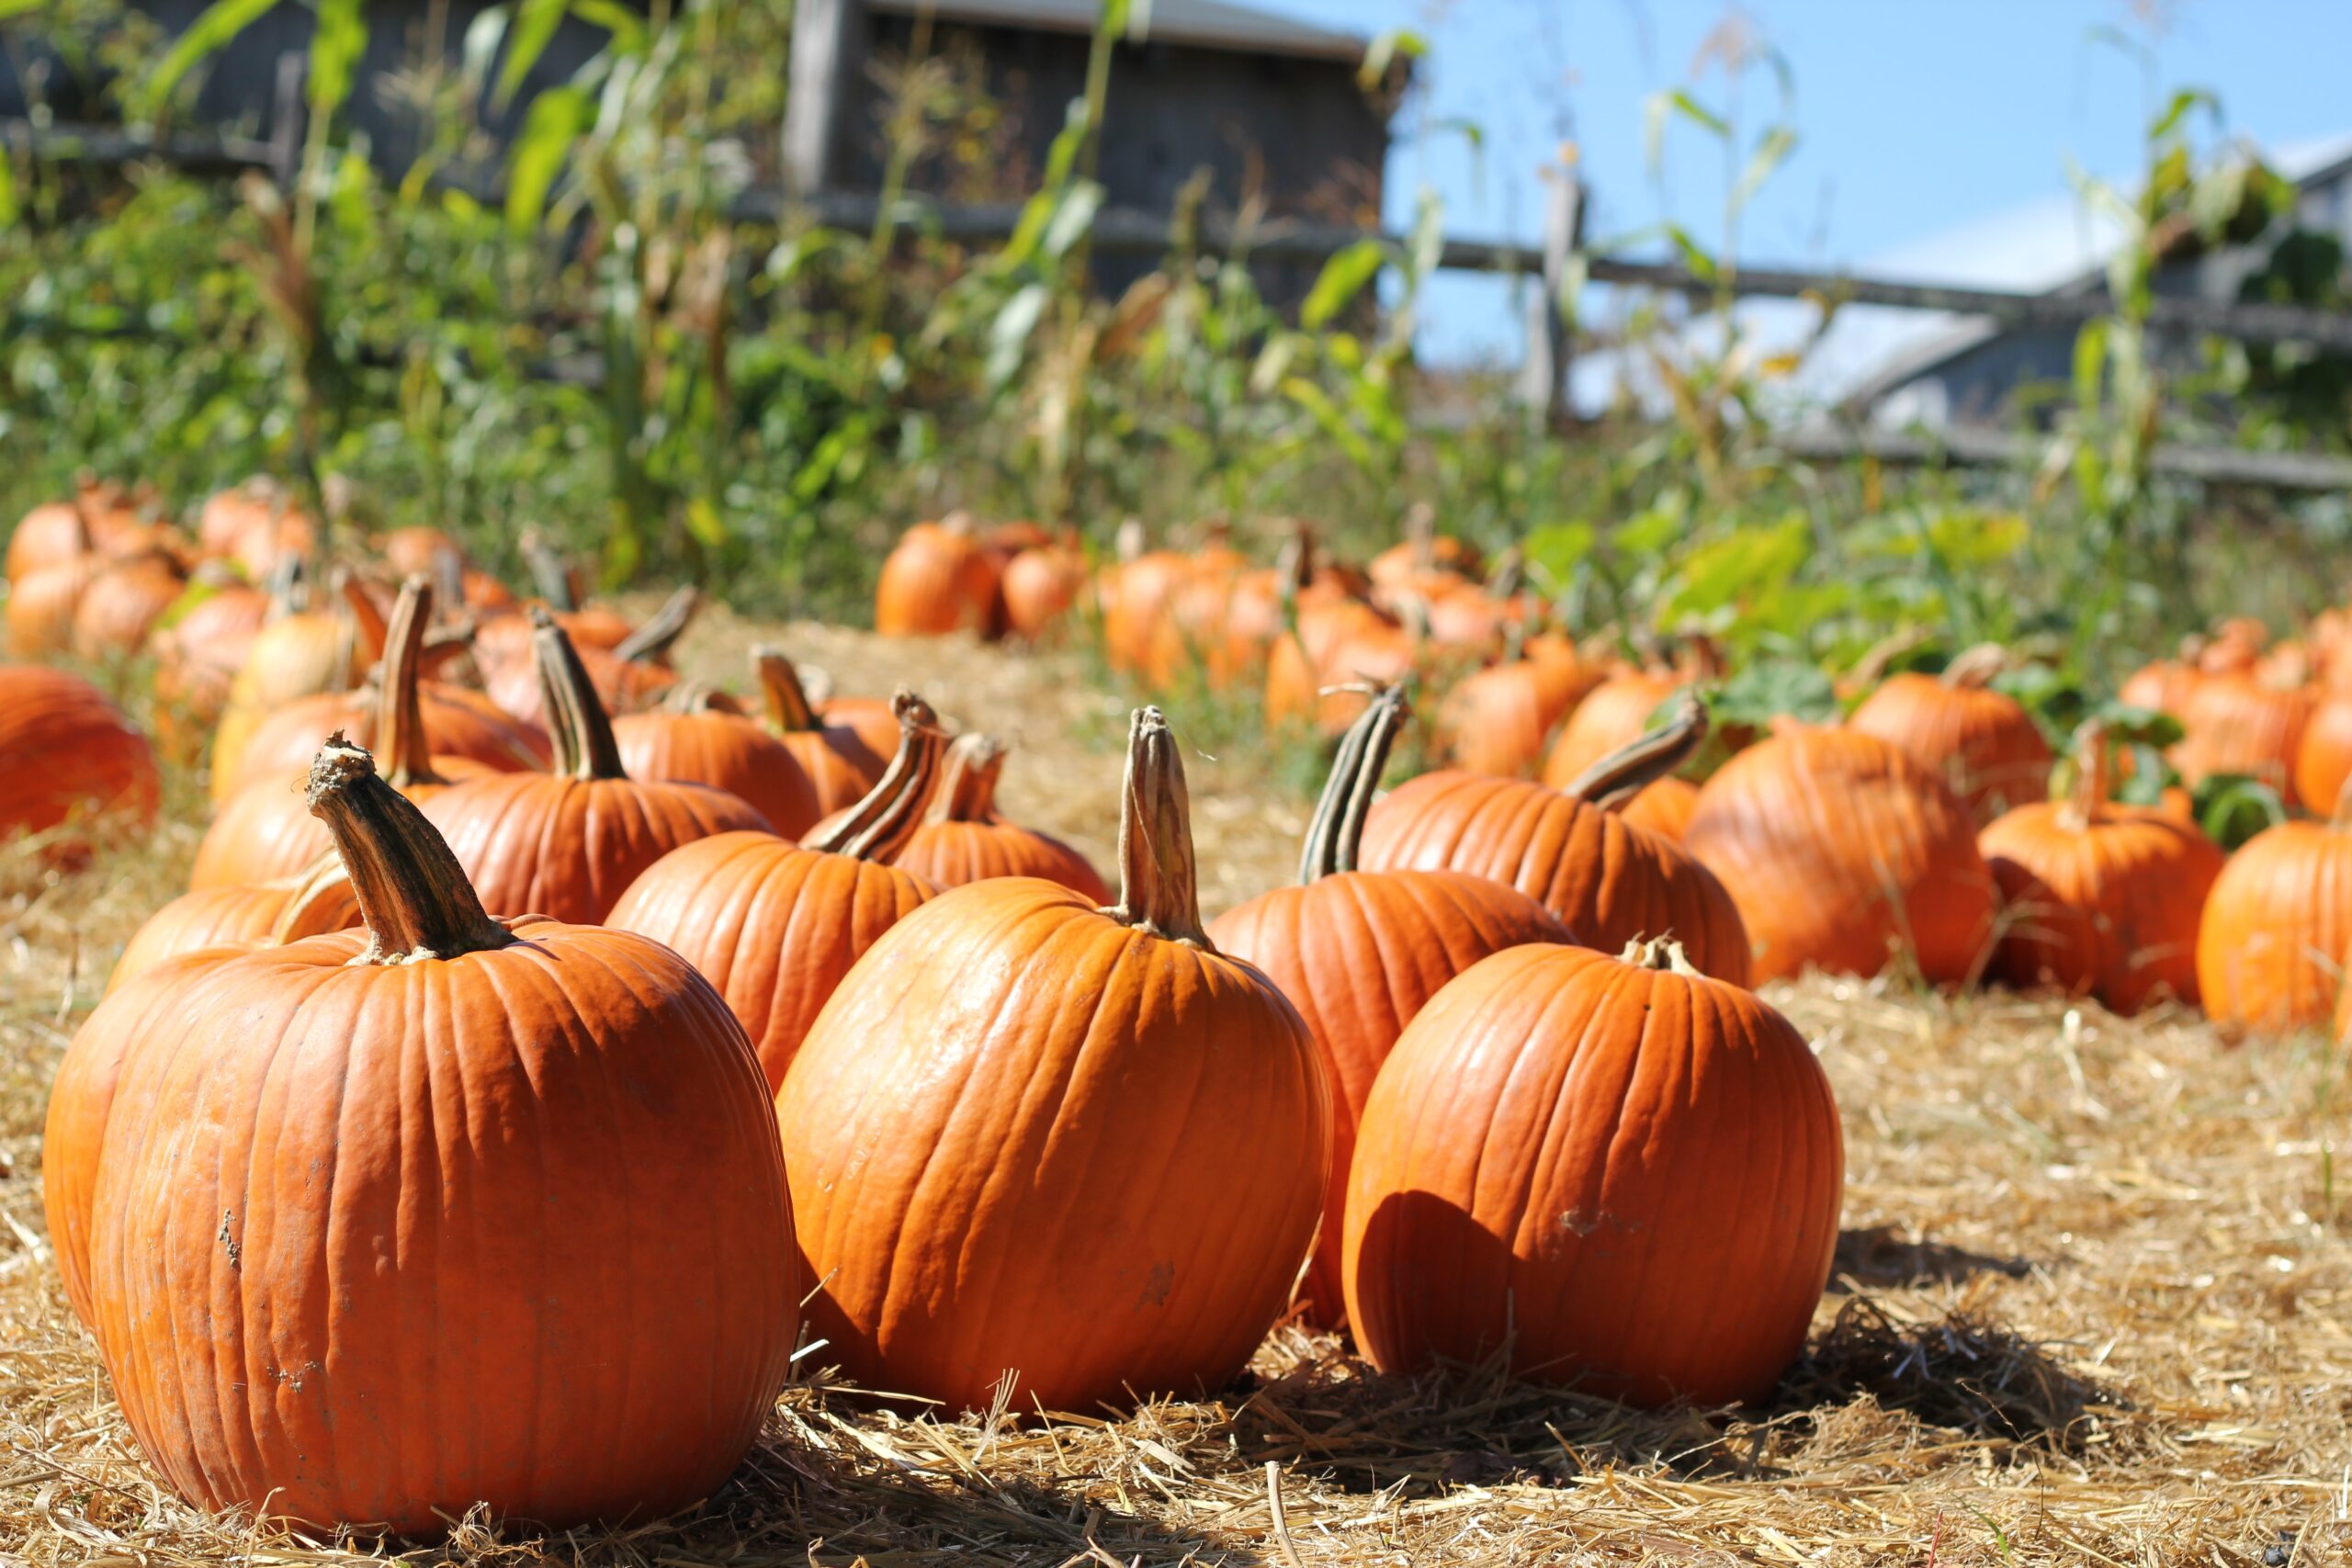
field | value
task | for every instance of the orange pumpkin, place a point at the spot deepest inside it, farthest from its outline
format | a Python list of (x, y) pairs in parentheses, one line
[(1608, 881), (53, 534), (775, 925), (628, 677), (2272, 943), (325, 648), (243, 915), (1664, 807), (2324, 754), (1076, 1046), (67, 755), (1496, 720), (2242, 723), (2099, 898), (198, 648), (566, 844), (841, 764), (965, 838), (1613, 713), (470, 1097), (692, 742), (1360, 952), (1844, 854), (1625, 1175), (937, 579), (1984, 742), (1042, 587), (120, 605)]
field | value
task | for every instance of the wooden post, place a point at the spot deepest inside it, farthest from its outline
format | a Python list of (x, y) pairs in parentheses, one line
[(1543, 376), (822, 68)]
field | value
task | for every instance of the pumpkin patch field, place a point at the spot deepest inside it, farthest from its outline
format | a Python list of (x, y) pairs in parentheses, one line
[(519, 1077)]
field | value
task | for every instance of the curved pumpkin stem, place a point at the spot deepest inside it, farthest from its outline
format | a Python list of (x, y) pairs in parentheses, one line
[(1158, 883), (577, 723), (402, 739), (412, 894), (966, 789), (321, 901), (549, 573), (879, 827), (700, 696), (789, 709), (653, 640), (1972, 668), (1614, 780), (368, 630), (1880, 657), (2093, 771), (1336, 833)]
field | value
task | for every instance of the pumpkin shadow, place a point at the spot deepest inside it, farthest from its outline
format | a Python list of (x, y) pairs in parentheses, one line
[(1879, 1258)]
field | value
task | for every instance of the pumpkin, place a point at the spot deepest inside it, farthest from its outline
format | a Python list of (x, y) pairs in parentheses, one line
[(1622, 1174), (266, 830), (968, 1126), (66, 753), (1606, 880), (965, 838), (1423, 554), (2099, 898), (198, 648), (51, 561), (1498, 719), (1360, 952), (53, 534), (571, 1103), (868, 718), (1136, 594), (937, 579), (241, 915), (775, 925), (411, 551), (257, 526), (1042, 585), (2273, 939), (1664, 807), (120, 605), (691, 740), (1614, 713), (841, 764), (323, 649), (1843, 853), (2324, 754), (1984, 742), (567, 842), (1323, 675), (2242, 723), (628, 677)]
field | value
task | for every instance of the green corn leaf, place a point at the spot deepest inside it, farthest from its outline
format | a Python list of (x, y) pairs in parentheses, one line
[(337, 43), (222, 22), (1343, 278), (535, 25), (557, 118)]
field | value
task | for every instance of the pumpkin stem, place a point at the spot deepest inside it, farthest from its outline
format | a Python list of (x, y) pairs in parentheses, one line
[(449, 574), (878, 827), (966, 789), (1970, 670), (1614, 780), (1510, 570), (651, 642), (577, 723), (1336, 833), (1295, 566), (367, 620), (700, 696), (789, 710), (548, 575), (1421, 534), (2093, 769), (1129, 541), (401, 736), (1880, 657), (1158, 883), (412, 894), (1663, 953), (321, 901)]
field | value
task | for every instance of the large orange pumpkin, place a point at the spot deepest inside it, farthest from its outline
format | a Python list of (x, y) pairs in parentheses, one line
[(937, 579), (1984, 742), (566, 844), (964, 838), (965, 1125), (1606, 880), (245, 914), (775, 925), (841, 765), (2100, 898), (2276, 930), (66, 752), (326, 648), (689, 740), (1846, 854), (1624, 1174), (523, 1199), (1359, 954)]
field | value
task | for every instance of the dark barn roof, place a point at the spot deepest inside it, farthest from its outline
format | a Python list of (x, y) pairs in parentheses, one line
[(1210, 24)]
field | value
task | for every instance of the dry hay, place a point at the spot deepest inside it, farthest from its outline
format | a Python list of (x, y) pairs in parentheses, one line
[(2091, 1308)]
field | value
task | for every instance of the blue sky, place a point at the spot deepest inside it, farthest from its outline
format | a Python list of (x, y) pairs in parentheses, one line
[(1912, 116)]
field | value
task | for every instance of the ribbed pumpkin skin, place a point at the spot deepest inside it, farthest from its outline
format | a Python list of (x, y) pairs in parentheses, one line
[(263, 834), (1612, 714), (1608, 881), (1023, 1135), (40, 608), (953, 853), (773, 926), (1664, 808), (375, 1240), (567, 847), (2107, 906), (223, 917), (64, 749), (462, 724), (121, 604), (1982, 743), (2278, 923), (1841, 851), (2236, 724), (2324, 754), (1634, 1173), (1359, 954), (840, 764), (726, 753), (1496, 720)]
